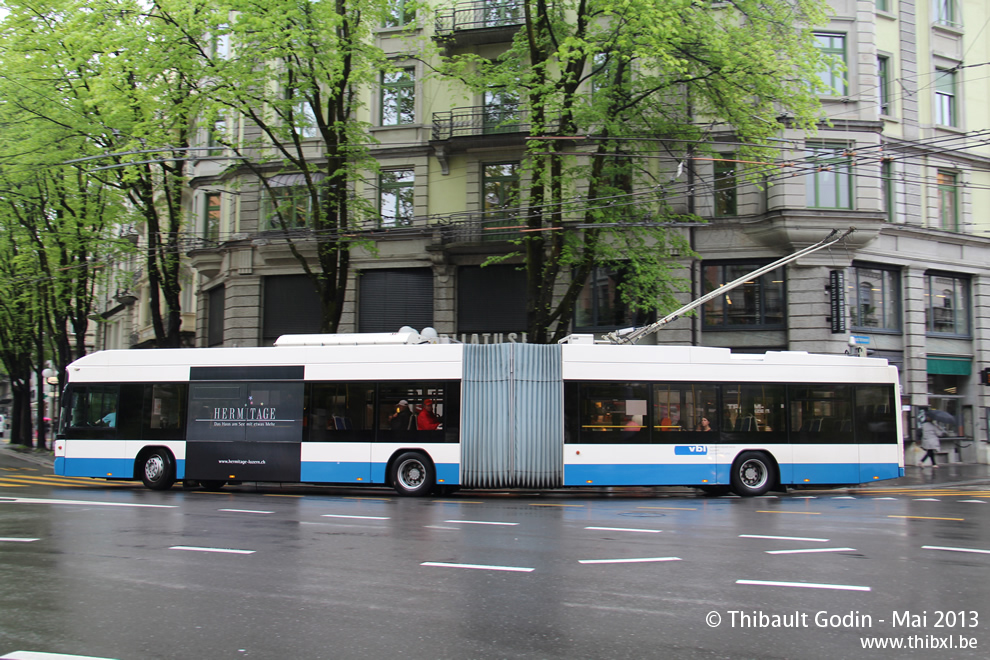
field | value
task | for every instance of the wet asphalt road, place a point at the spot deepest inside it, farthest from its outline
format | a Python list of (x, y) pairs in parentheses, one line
[(117, 571)]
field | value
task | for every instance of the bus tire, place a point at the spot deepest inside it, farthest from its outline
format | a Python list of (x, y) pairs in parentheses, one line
[(212, 485), (753, 473), (158, 470), (413, 474)]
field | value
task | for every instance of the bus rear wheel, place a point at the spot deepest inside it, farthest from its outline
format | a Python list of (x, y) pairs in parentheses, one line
[(413, 475), (753, 473), (158, 470)]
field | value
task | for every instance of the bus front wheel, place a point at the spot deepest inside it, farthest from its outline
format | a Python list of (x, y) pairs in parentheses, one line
[(753, 474), (413, 475), (158, 470)]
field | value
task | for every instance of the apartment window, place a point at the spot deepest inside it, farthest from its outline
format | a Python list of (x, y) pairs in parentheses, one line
[(947, 304), (214, 139), (501, 112), (500, 199), (883, 5), (215, 315), (883, 84), (946, 13), (211, 216), (829, 181), (945, 97), (498, 13), (757, 303), (725, 186), (304, 120), (398, 97), (833, 75), (600, 306), (948, 214), (400, 14), (887, 188), (873, 296), (289, 207), (395, 200)]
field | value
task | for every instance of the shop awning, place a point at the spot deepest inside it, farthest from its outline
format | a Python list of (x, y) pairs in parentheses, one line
[(946, 365)]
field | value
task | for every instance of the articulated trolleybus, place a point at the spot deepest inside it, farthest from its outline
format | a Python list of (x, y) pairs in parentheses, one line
[(423, 416)]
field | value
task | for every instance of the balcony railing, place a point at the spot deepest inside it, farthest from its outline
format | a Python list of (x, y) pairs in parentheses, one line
[(493, 15), (475, 121)]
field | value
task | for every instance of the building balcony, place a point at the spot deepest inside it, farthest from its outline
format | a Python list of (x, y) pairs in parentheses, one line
[(475, 23)]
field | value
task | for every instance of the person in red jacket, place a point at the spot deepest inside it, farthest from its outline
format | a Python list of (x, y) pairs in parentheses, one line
[(427, 419)]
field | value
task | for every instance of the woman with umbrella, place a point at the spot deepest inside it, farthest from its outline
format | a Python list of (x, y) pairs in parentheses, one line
[(930, 435)]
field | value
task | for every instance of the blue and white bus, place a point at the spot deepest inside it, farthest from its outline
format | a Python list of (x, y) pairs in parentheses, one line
[(434, 417)]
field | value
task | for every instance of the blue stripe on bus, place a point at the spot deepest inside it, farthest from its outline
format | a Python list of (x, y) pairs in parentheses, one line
[(112, 468), (637, 475), (675, 475), (117, 468)]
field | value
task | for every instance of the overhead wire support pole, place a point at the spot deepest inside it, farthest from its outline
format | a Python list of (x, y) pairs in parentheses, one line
[(632, 335)]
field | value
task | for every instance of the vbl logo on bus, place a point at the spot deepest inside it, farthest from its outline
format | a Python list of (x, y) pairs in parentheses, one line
[(690, 450)]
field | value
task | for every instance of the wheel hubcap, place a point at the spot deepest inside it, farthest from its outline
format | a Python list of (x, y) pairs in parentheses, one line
[(411, 474), (753, 474), (154, 468)]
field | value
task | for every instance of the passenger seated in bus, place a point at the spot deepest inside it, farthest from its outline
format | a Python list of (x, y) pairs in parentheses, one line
[(634, 424), (427, 419), (110, 419), (703, 425), (402, 418)]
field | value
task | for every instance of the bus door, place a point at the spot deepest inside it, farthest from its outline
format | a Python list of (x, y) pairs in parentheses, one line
[(753, 417), (243, 430), (685, 415), (339, 433)]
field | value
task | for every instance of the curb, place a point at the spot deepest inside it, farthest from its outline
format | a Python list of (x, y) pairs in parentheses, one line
[(45, 457)]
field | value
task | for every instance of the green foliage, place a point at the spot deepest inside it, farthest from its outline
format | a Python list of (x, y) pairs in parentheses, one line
[(646, 86)]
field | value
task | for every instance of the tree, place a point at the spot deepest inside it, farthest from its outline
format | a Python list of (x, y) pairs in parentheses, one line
[(288, 72), (639, 88), (101, 73)]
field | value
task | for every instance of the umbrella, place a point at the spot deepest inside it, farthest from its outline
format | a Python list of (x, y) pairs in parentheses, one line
[(942, 416)]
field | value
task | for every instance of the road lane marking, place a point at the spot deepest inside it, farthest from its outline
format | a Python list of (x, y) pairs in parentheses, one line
[(804, 585), (480, 567), (806, 550), (14, 539), (34, 500), (885, 498), (481, 522), (340, 515), (939, 547), (372, 499), (973, 501), (638, 560), (844, 497), (799, 513), (244, 511), (927, 518), (927, 499), (626, 529), (782, 538), (579, 506), (229, 551), (38, 655)]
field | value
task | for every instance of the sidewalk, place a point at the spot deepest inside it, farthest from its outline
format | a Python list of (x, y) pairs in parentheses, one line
[(38, 457)]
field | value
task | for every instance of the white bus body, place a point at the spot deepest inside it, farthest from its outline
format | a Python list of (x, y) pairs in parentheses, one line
[(510, 415)]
